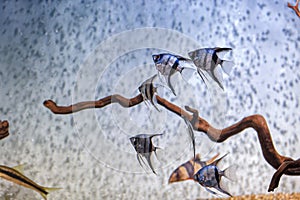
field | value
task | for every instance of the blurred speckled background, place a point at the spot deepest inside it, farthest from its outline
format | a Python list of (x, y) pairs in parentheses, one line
[(71, 51)]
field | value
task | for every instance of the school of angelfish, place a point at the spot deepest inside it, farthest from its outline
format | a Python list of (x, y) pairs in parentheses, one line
[(206, 173), (201, 61)]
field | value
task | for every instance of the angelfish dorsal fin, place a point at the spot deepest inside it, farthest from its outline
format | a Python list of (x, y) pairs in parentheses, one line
[(218, 160), (19, 168), (210, 161)]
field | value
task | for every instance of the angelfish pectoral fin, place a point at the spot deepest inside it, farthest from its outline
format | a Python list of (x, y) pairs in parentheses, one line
[(202, 76), (169, 84), (148, 158), (154, 102), (217, 76), (191, 134), (139, 158)]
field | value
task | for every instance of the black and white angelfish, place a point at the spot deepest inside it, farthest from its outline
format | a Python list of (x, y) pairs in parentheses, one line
[(143, 146), (210, 176), (207, 59), (148, 91), (167, 64)]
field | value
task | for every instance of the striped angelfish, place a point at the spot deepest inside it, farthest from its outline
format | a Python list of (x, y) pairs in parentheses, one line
[(210, 176), (148, 91), (144, 147), (167, 64), (207, 59), (187, 170)]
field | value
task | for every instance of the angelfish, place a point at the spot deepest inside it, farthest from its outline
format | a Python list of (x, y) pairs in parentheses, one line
[(207, 59), (143, 145), (148, 90), (167, 64), (210, 176), (15, 175), (187, 170)]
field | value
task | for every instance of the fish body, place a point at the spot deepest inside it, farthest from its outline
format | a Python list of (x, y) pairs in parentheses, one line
[(148, 90), (143, 145), (187, 170), (210, 176), (207, 59), (167, 64), (14, 175)]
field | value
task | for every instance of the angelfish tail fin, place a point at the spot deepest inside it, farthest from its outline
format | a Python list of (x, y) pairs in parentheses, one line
[(227, 66), (230, 172)]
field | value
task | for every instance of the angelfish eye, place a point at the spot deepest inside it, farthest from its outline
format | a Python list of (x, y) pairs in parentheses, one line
[(156, 58)]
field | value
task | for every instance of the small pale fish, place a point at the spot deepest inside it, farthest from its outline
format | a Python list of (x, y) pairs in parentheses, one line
[(187, 170), (210, 176), (207, 59), (148, 91), (167, 64), (144, 147), (15, 175)]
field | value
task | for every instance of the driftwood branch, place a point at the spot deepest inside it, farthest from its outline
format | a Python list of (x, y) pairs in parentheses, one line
[(283, 164), (93, 104), (282, 170), (4, 129), (295, 7)]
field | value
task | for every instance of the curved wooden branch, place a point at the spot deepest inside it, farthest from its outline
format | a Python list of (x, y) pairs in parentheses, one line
[(51, 105), (295, 7), (4, 125), (257, 122), (280, 171)]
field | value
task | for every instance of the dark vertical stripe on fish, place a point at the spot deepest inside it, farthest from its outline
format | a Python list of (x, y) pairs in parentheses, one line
[(23, 180), (175, 65), (150, 91), (205, 60), (147, 93), (178, 174), (214, 58), (168, 59), (217, 175), (190, 168)]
